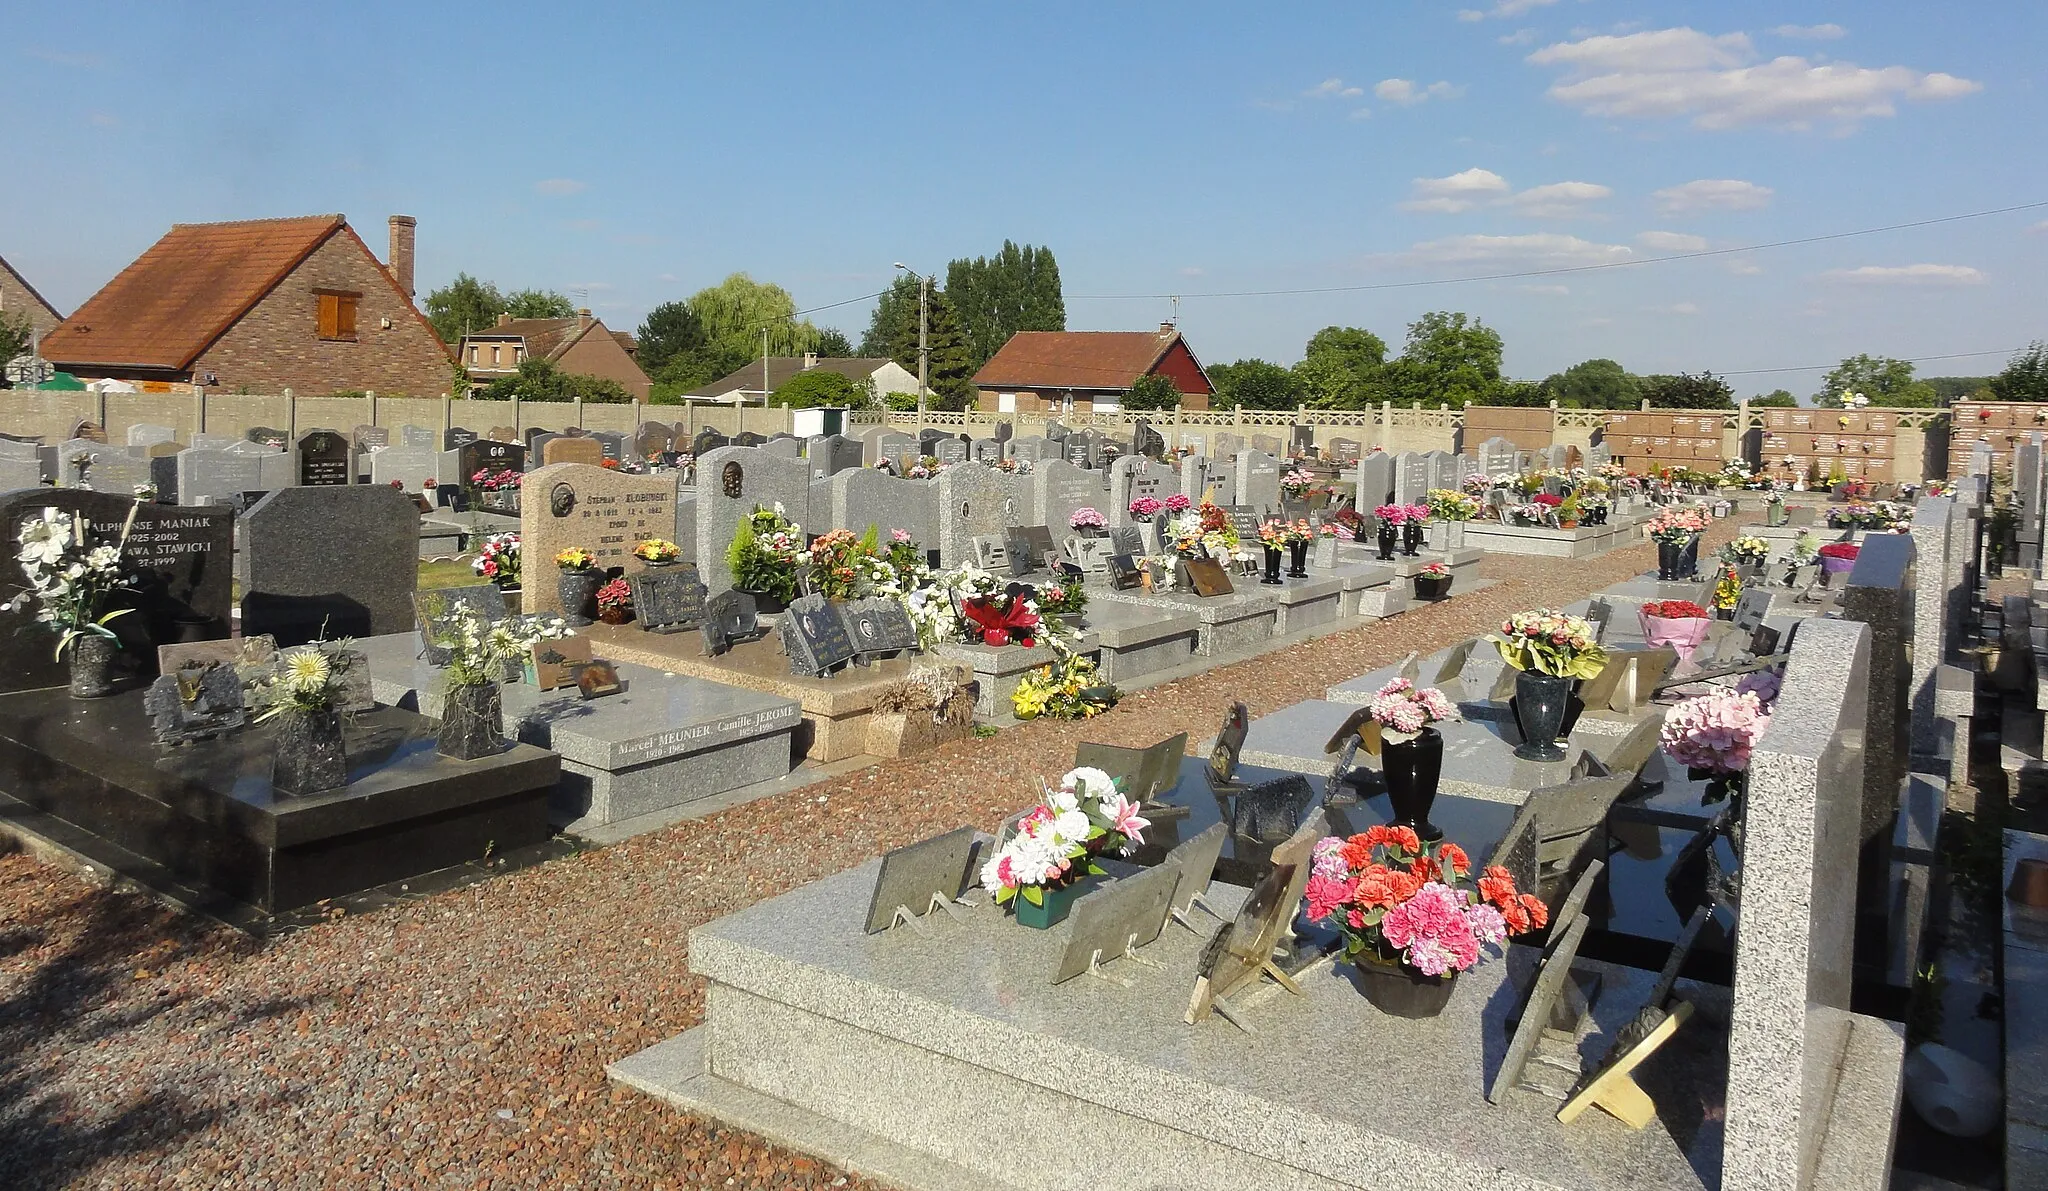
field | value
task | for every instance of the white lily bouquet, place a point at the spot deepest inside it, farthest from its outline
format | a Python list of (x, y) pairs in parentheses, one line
[(479, 649), (72, 571)]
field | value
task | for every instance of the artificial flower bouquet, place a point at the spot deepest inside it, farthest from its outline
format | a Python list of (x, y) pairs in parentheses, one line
[(1178, 503), (498, 559), (1064, 600), (1297, 483), (1674, 610), (1067, 689), (306, 680), (1715, 734), (1391, 514), (72, 571), (1346, 524), (479, 649), (1057, 843), (845, 565), (657, 550), (1000, 618), (1549, 500), (1746, 551), (1727, 589), (1839, 557), (1146, 507), (1204, 532), (575, 560), (1447, 504), (1403, 710), (1530, 514), (1677, 525), (1087, 517), (1681, 624), (1547, 641), (1434, 570), (1397, 901), (614, 601), (501, 480)]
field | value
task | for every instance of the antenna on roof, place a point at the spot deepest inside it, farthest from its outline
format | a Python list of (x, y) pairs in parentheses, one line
[(1175, 320)]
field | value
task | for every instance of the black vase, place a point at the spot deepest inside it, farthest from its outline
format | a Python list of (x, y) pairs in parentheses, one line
[(1540, 702), (1412, 768), (1411, 539), (1297, 560), (1689, 559), (1388, 537), (1272, 565), (1670, 556), (310, 754), (1427, 588), (578, 592), (766, 601), (1402, 991), (471, 722)]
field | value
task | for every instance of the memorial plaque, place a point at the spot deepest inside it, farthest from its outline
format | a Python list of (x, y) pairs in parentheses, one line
[(1246, 522), (1117, 918), (1142, 774), (1243, 948), (814, 637), (729, 618), (1229, 744), (667, 599), (880, 625), (1209, 577), (1454, 662), (558, 663), (1750, 611), (1090, 554), (1195, 859), (235, 651), (1124, 573), (1128, 539), (914, 876), (991, 552), (598, 679), (196, 701)]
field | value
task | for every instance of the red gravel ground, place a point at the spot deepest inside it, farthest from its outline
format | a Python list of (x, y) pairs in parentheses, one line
[(460, 1041)]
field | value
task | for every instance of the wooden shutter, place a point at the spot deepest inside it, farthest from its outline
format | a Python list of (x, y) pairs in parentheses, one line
[(345, 317), (330, 315)]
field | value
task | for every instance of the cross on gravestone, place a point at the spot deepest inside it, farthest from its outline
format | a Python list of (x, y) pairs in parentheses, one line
[(667, 599), (987, 450), (814, 636)]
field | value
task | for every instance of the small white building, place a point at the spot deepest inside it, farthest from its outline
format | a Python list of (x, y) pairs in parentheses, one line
[(744, 387)]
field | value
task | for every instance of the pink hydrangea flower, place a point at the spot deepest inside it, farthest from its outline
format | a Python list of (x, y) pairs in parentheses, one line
[(1715, 731)]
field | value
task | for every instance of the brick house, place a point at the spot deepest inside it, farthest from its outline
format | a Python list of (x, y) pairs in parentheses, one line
[(18, 297), (884, 375), (580, 345), (261, 305), (1084, 371)]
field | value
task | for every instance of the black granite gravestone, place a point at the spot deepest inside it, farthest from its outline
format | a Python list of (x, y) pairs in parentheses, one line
[(729, 618), (668, 599), (708, 440), (330, 562), (183, 562), (814, 636), (456, 437), (325, 459)]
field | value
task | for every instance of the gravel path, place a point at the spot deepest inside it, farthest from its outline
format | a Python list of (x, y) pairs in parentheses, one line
[(460, 1041)]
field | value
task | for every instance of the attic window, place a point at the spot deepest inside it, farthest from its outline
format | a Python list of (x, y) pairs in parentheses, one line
[(337, 314)]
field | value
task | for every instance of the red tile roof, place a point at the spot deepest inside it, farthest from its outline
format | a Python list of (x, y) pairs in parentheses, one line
[(189, 287), (1074, 359)]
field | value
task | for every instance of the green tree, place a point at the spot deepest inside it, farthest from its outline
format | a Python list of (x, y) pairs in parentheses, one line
[(463, 305), (2025, 376), (1883, 380), (1950, 389), (833, 343), (1449, 358), (1342, 368), (671, 329), (1775, 399), (1594, 384), (1152, 392), (734, 311), (1256, 384), (539, 303), (1017, 289), (540, 380), (880, 337), (1685, 391), (16, 333), (952, 364), (819, 386)]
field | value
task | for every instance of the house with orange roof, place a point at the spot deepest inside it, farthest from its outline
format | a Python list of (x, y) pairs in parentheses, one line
[(582, 345), (19, 299), (1085, 371), (261, 306)]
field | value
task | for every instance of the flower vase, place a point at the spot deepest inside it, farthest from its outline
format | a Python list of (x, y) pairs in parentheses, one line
[(1411, 539), (1539, 711), (1053, 910), (513, 595), (471, 718), (1670, 555), (1432, 589), (1412, 769), (578, 593), (310, 755), (1400, 991), (1297, 560), (1774, 514), (766, 601), (1389, 535), (1837, 566), (1272, 565), (1689, 561), (92, 663)]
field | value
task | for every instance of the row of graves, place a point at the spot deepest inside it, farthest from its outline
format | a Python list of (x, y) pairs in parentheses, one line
[(1595, 903)]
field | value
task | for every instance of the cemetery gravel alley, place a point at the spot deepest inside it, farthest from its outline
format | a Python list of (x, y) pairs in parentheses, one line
[(460, 1040)]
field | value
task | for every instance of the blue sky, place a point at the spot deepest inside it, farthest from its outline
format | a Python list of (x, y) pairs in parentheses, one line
[(641, 152)]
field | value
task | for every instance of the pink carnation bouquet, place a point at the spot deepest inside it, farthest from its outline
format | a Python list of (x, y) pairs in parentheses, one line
[(1404, 710), (1398, 901)]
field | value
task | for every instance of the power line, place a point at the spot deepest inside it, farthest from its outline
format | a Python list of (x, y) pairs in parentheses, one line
[(1563, 270), (1909, 359)]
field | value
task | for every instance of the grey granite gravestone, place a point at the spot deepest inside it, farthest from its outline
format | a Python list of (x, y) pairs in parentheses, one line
[(1599, 454), (949, 450), (21, 466), (731, 483), (784, 446), (1266, 444), (1344, 451), (611, 443), (1258, 483), (667, 599), (1934, 604), (1228, 445), (1062, 489), (110, 469), (1411, 478), (1146, 441), (148, 434), (1035, 450), (217, 474), (564, 449), (303, 578), (971, 499), (1880, 594), (1374, 477), (814, 637), (407, 468), (182, 558), (326, 458), (1497, 458), (367, 437), (1083, 448), (986, 450), (1441, 469), (748, 438), (833, 453)]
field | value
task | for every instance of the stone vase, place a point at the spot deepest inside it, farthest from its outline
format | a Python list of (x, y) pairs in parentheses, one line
[(311, 755), (471, 722), (1400, 991), (1272, 574), (578, 593), (92, 666), (1297, 560), (1540, 701), (1412, 769)]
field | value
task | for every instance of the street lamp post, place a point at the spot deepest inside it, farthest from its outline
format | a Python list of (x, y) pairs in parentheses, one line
[(924, 352)]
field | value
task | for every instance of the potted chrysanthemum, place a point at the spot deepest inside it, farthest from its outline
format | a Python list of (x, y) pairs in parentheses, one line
[(1409, 922), (1040, 871), (304, 694)]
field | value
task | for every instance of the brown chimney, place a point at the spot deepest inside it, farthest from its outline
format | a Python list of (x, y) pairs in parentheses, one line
[(402, 229), (504, 319), (1166, 330), (810, 361), (583, 318)]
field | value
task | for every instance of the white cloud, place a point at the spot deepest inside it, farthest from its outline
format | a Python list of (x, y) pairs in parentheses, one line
[(2039, 227), (1718, 83), (1672, 242), (1192, 271), (1407, 91), (1553, 290), (1505, 8), (1460, 192), (1829, 32), (1713, 194), (1922, 274), (560, 186), (1333, 89), (1681, 308), (1558, 200), (668, 277), (1469, 15), (1360, 114), (1541, 249), (1743, 268), (1518, 37)]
